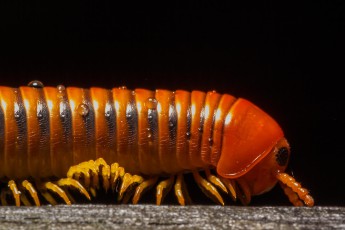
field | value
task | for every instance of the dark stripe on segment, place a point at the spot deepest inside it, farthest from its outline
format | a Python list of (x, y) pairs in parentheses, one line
[(65, 115), (20, 152), (83, 123), (147, 132), (44, 127), (104, 124), (197, 114), (166, 123), (89, 122), (183, 109), (189, 122), (38, 132), (224, 106), (172, 124), (132, 122), (152, 119), (110, 117), (126, 123), (211, 104), (61, 138)]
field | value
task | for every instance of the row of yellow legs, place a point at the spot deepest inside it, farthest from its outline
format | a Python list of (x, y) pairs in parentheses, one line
[(134, 186), (88, 177), (44, 188)]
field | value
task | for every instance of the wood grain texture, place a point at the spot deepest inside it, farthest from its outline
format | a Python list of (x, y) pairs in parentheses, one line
[(171, 217)]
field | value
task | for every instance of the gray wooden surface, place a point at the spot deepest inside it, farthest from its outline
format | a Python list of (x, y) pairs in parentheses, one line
[(171, 217)]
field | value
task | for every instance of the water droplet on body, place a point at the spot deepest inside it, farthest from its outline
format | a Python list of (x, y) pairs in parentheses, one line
[(83, 109), (61, 87), (210, 141), (16, 110), (36, 84), (188, 135), (151, 103)]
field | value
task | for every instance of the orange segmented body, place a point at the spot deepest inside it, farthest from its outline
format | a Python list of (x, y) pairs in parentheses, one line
[(56, 138)]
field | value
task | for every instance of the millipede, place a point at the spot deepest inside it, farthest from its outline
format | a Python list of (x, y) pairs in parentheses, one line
[(55, 140)]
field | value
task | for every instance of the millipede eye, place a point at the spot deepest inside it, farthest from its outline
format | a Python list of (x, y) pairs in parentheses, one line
[(282, 156)]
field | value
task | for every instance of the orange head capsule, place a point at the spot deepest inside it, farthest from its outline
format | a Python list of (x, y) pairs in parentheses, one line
[(255, 153)]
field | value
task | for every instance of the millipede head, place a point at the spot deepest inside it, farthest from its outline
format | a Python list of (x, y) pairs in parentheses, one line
[(263, 176), (255, 152)]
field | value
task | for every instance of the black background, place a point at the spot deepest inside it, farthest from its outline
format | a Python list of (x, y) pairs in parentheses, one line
[(286, 58)]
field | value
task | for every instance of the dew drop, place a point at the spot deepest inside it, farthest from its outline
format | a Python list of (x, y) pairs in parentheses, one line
[(108, 110), (151, 103), (36, 84), (200, 129), (61, 87), (16, 110), (210, 141), (171, 124), (62, 114), (83, 109), (16, 114), (188, 135), (61, 91), (107, 113), (123, 87), (149, 133)]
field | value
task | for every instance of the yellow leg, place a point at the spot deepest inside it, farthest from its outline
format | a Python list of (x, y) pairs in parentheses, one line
[(116, 173), (106, 177), (92, 167), (105, 172), (81, 169), (144, 186), (55, 188), (243, 190), (75, 184), (181, 191), (30, 188), (207, 188), (70, 197), (48, 197), (163, 188), (25, 200), (231, 186), (215, 181), (128, 181), (113, 176), (15, 192)]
